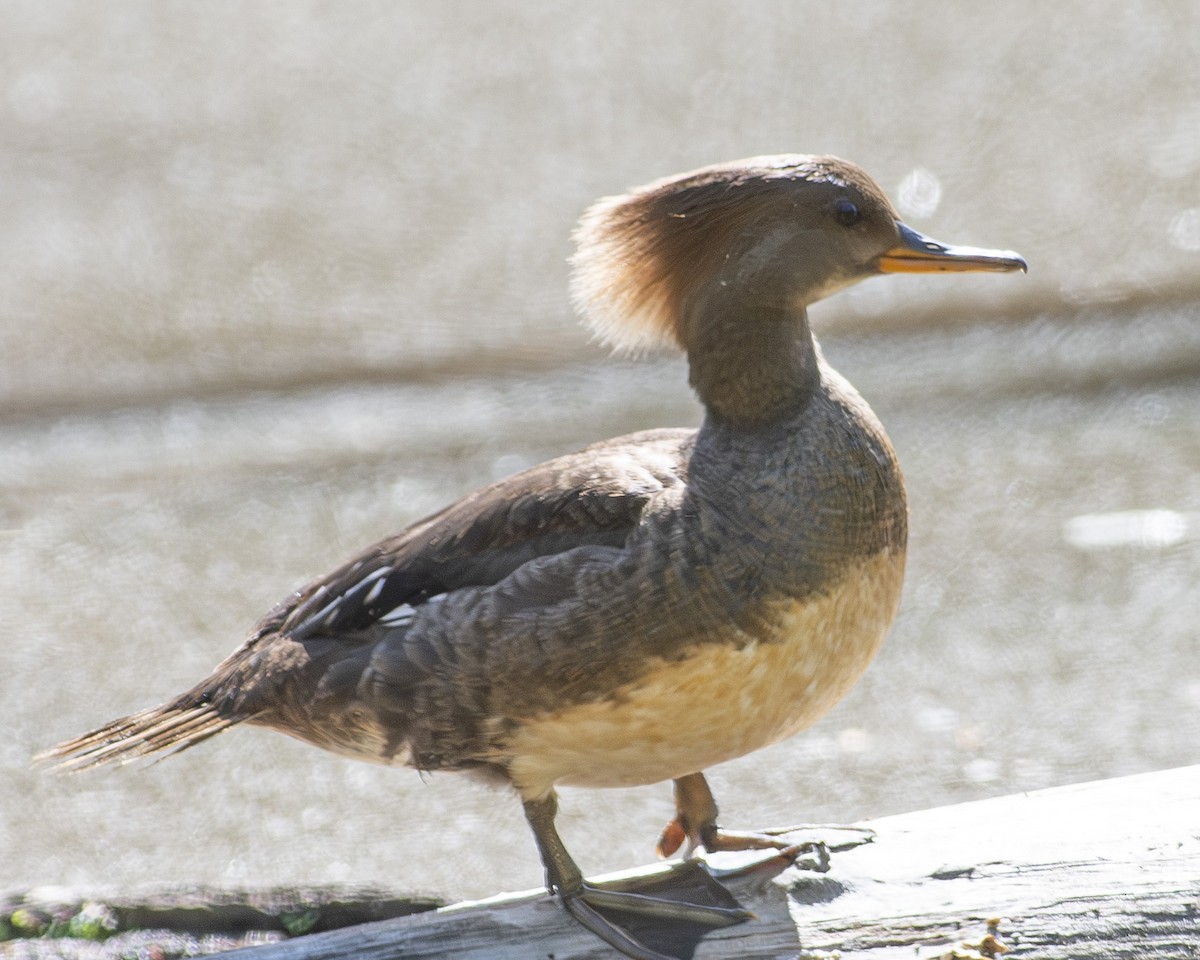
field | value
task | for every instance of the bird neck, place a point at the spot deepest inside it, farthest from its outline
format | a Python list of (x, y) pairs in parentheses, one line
[(751, 368)]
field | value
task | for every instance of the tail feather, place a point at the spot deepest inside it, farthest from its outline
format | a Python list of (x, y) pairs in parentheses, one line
[(166, 729)]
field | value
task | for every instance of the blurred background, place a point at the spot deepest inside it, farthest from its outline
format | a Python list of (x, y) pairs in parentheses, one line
[(280, 278)]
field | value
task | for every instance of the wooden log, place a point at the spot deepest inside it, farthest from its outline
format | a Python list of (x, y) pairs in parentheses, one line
[(533, 924), (1096, 870), (1099, 870)]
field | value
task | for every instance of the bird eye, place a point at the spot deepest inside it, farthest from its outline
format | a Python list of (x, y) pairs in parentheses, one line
[(847, 212)]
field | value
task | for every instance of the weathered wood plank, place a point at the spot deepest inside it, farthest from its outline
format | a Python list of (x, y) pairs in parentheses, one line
[(533, 924), (1099, 870), (1106, 869)]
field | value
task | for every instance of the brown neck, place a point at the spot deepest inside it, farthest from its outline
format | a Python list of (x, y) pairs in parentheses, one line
[(750, 368)]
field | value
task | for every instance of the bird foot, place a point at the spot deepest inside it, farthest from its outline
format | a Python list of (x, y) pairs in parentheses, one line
[(717, 840), (813, 841), (656, 918), (838, 837)]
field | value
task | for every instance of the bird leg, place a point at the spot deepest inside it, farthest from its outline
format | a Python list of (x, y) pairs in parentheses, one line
[(588, 902), (696, 823)]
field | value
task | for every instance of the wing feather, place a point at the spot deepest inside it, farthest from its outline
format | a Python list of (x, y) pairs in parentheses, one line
[(594, 497)]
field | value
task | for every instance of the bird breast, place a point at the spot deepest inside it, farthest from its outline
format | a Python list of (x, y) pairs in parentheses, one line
[(723, 699)]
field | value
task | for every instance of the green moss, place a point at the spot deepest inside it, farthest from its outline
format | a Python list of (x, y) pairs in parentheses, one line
[(93, 922), (27, 923), (300, 922)]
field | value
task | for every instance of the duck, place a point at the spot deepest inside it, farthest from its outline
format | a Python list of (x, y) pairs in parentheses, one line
[(646, 607)]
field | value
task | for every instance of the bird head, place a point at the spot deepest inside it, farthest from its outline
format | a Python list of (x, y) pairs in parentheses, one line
[(775, 232)]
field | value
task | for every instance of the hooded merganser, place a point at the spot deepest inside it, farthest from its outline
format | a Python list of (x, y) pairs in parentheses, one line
[(650, 605)]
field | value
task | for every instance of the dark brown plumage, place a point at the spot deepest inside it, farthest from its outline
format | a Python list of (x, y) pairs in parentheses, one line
[(650, 605)]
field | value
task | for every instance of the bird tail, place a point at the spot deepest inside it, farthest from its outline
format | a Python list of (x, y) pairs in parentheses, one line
[(168, 728)]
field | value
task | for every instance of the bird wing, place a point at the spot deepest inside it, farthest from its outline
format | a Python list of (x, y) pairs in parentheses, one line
[(302, 667), (593, 497)]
